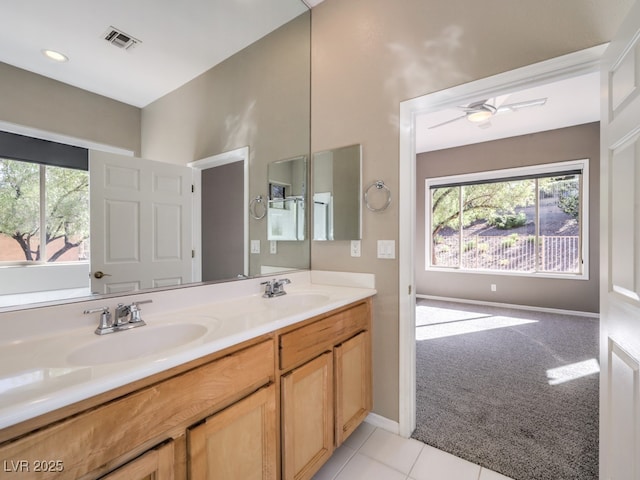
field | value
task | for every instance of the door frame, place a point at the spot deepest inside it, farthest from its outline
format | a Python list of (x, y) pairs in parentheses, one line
[(231, 156), (566, 66)]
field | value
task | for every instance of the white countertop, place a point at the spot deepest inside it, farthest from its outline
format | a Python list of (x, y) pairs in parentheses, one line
[(61, 363)]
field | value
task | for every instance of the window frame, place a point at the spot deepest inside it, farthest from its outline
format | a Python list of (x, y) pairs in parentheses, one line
[(501, 175)]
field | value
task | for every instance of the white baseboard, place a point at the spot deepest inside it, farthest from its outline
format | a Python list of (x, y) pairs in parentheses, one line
[(510, 305), (383, 422)]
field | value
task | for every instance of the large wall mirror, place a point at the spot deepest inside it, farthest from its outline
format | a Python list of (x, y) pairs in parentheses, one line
[(337, 208), (261, 114)]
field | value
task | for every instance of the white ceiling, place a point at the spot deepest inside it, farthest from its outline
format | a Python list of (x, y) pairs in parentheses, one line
[(180, 40), (573, 101)]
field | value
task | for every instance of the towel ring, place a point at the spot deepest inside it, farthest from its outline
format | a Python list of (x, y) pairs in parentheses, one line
[(253, 205), (379, 184)]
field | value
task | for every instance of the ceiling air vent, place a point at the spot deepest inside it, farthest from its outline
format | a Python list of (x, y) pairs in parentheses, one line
[(120, 39)]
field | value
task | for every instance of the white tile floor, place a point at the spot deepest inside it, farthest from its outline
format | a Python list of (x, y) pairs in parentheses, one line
[(372, 453)]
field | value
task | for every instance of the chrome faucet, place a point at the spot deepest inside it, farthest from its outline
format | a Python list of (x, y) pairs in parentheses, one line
[(126, 317), (275, 288)]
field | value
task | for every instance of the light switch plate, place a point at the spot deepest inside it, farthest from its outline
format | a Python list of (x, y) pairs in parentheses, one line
[(255, 246), (355, 248), (387, 249)]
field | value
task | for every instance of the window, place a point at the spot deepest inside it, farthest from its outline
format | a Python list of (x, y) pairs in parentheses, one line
[(528, 220), (44, 201)]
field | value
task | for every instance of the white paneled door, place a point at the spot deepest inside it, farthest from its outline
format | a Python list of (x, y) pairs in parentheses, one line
[(620, 255), (141, 223)]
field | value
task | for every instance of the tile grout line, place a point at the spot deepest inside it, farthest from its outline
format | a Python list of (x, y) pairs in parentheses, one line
[(416, 460), (383, 463), (355, 452)]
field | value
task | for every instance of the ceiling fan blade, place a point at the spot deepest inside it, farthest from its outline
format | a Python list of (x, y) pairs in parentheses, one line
[(512, 107), (474, 106), (499, 100), (447, 122)]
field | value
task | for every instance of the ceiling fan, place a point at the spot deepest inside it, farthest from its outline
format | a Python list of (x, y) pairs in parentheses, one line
[(480, 112)]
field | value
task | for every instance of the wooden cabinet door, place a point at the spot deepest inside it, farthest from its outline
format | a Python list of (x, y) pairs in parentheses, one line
[(307, 417), (156, 464), (352, 383), (238, 443)]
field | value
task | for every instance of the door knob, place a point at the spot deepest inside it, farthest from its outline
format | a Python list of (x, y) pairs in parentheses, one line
[(99, 274)]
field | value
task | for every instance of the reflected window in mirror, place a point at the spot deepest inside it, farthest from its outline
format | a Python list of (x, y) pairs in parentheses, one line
[(337, 194), (44, 219), (44, 213)]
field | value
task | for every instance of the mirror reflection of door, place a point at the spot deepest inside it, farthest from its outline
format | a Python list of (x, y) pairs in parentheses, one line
[(223, 252), (141, 235)]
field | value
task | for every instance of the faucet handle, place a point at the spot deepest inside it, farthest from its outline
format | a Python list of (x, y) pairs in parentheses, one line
[(105, 319), (95, 310), (135, 311), (268, 289)]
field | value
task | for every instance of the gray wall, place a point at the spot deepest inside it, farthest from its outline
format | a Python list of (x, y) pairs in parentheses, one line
[(223, 222), (370, 55), (571, 143), (38, 102)]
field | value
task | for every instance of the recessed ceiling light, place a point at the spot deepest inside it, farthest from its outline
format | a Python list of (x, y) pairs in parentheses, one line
[(55, 56)]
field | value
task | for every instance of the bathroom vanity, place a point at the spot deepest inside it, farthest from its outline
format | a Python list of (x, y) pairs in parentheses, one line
[(267, 389)]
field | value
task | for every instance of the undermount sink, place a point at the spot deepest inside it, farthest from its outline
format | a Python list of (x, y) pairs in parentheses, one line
[(136, 343), (298, 300)]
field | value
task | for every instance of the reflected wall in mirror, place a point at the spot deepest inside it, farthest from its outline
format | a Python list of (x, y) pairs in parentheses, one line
[(286, 206), (258, 99), (336, 194)]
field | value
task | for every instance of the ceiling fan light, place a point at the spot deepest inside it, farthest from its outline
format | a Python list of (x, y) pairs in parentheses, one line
[(479, 116)]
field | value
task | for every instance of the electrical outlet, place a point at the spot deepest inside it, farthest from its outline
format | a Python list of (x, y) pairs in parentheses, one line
[(355, 248), (494, 287), (255, 246), (273, 246)]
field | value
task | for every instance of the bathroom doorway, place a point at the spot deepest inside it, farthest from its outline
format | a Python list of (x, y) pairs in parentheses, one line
[(578, 63)]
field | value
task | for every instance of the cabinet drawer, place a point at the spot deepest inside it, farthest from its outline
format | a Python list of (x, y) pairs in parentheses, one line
[(157, 464), (98, 437), (311, 340)]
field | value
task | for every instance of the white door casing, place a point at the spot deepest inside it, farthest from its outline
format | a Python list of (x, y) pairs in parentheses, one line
[(238, 155), (141, 223), (620, 255)]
